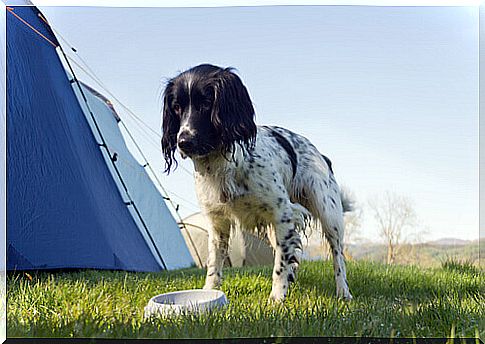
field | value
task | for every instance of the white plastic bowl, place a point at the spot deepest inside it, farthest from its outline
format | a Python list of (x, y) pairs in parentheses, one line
[(185, 302)]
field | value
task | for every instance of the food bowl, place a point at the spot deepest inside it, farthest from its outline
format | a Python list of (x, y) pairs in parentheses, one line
[(185, 302)]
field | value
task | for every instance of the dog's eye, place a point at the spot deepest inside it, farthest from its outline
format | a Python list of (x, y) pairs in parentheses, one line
[(176, 107)]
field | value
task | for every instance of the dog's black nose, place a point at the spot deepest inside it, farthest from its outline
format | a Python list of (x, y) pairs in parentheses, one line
[(186, 143)]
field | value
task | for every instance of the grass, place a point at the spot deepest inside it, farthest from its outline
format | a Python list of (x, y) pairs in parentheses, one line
[(454, 264), (397, 301)]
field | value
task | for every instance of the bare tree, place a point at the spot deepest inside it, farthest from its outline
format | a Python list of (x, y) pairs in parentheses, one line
[(352, 220), (411, 253), (394, 215)]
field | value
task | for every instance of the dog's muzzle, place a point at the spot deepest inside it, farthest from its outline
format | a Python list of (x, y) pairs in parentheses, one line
[(186, 143)]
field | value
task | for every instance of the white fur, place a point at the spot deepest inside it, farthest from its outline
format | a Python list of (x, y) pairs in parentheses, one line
[(257, 191)]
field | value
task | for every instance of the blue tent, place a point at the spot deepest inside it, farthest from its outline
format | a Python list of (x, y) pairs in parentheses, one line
[(76, 197)]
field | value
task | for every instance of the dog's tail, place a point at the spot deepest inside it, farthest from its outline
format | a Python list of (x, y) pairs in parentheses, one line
[(347, 200)]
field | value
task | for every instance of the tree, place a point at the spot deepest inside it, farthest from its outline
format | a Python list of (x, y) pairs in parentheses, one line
[(394, 215), (353, 222)]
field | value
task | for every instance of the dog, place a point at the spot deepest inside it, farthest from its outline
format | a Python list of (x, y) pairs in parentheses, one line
[(261, 178)]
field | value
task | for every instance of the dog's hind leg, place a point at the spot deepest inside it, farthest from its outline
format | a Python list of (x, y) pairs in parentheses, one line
[(334, 235), (325, 205)]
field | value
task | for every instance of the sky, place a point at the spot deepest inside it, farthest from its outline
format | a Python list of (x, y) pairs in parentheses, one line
[(389, 94)]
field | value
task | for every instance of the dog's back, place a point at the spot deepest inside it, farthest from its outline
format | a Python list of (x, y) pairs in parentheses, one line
[(313, 184)]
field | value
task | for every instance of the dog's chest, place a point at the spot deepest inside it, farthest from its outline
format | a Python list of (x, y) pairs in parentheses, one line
[(220, 188), (214, 190), (231, 195)]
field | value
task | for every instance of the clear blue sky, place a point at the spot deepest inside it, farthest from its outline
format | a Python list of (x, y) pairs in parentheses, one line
[(390, 94)]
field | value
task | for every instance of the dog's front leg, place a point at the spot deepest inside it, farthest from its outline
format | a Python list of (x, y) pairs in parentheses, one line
[(218, 251)]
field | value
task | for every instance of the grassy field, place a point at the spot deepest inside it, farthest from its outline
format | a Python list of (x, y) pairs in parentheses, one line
[(397, 301)]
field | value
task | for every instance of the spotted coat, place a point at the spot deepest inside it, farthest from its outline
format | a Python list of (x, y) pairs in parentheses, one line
[(279, 186)]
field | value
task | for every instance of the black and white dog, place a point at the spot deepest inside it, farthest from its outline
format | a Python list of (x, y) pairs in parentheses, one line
[(258, 178)]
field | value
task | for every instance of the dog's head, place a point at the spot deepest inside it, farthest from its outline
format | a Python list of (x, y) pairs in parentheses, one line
[(206, 109)]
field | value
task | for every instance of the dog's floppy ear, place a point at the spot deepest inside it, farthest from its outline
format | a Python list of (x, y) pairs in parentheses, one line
[(170, 128), (233, 112)]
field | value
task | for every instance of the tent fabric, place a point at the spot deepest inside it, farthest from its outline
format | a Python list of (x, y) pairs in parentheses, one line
[(158, 227), (245, 249), (65, 209), (3, 152)]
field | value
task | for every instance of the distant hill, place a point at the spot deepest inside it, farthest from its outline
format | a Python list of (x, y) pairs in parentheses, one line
[(428, 254), (450, 242)]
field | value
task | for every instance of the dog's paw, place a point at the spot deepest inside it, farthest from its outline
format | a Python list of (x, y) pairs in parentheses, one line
[(275, 298), (278, 292), (344, 294), (212, 282)]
